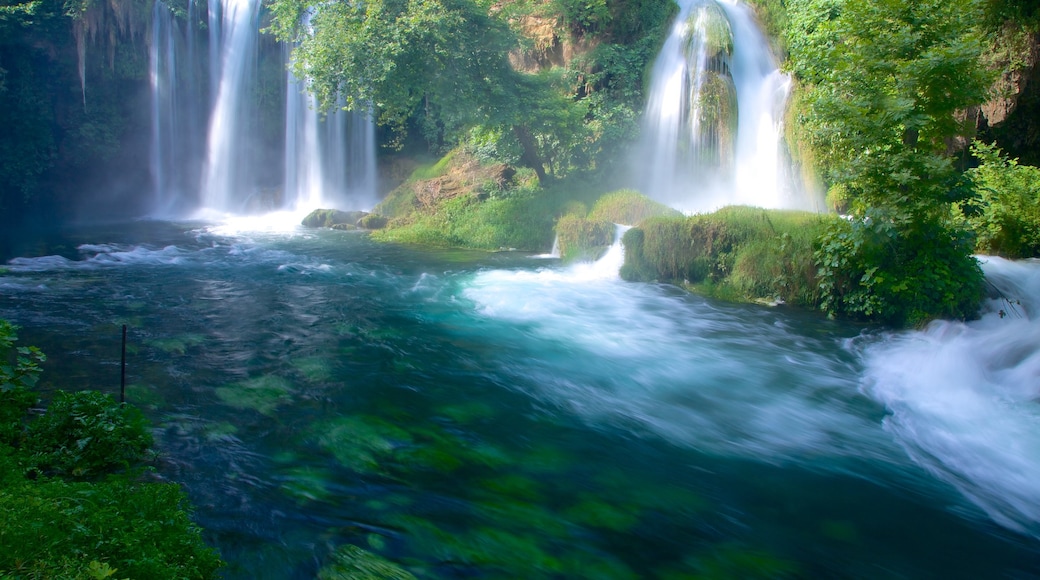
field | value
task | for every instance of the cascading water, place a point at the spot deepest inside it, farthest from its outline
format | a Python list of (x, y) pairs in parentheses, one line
[(712, 125), (177, 97), (217, 145), (330, 158), (964, 399), (227, 178)]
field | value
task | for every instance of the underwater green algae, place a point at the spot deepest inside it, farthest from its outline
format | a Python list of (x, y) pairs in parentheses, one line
[(262, 394), (353, 563)]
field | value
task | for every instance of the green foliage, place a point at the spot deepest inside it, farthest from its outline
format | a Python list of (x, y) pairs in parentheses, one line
[(55, 529), (446, 56), (86, 434), (1005, 214), (19, 371), (883, 85), (113, 526), (897, 270), (888, 80), (737, 252)]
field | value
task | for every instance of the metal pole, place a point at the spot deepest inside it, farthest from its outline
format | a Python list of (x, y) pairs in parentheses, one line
[(122, 371)]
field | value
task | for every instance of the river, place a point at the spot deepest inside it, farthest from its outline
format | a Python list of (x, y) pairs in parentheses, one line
[(475, 415)]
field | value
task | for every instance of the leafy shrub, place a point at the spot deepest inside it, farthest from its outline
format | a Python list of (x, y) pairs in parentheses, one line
[(114, 526), (1005, 214), (896, 270), (19, 371), (86, 434), (78, 530)]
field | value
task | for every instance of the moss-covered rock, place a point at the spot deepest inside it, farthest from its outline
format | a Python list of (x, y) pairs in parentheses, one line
[(333, 218), (372, 222), (581, 238), (739, 253), (628, 207)]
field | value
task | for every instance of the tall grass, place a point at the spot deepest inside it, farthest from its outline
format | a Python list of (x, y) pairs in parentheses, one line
[(736, 252)]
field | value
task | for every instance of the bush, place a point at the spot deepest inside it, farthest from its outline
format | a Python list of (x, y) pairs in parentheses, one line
[(19, 371), (1005, 213), (112, 526), (86, 434), (57, 529), (898, 270)]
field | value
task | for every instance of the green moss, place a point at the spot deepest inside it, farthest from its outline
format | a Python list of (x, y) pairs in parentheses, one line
[(599, 514), (740, 253), (177, 344), (306, 484), (219, 430), (582, 238), (361, 443), (522, 222), (261, 394), (628, 207), (315, 369), (731, 560)]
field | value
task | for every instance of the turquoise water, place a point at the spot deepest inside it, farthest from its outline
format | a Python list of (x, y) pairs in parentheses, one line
[(472, 415)]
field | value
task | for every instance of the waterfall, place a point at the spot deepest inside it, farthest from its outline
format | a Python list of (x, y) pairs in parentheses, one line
[(175, 110), (712, 126), (330, 158), (226, 181), (219, 125)]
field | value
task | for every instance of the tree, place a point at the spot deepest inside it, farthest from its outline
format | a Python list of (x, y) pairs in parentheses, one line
[(885, 82), (444, 62)]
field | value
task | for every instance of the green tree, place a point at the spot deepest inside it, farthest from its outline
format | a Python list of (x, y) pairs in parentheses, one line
[(885, 81), (444, 62), (1005, 212)]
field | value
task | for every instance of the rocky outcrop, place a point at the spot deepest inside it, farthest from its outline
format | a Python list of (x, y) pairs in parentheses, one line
[(1011, 117)]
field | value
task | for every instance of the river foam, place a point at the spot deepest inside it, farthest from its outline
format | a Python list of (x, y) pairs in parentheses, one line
[(728, 380), (964, 398)]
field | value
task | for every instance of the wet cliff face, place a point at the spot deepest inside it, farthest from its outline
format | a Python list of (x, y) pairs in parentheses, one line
[(1012, 116)]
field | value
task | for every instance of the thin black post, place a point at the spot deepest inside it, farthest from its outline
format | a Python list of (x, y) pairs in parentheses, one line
[(122, 371)]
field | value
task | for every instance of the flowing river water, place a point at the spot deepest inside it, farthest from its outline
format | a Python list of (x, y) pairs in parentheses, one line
[(473, 415)]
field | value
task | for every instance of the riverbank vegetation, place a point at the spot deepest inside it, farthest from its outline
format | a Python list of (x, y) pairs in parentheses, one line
[(74, 501), (736, 253)]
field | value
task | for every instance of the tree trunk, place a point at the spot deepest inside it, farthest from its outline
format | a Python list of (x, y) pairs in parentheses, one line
[(530, 157)]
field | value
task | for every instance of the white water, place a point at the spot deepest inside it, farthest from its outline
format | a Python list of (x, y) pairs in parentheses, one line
[(209, 157), (656, 364), (673, 167), (330, 158), (961, 401), (965, 397), (225, 179)]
